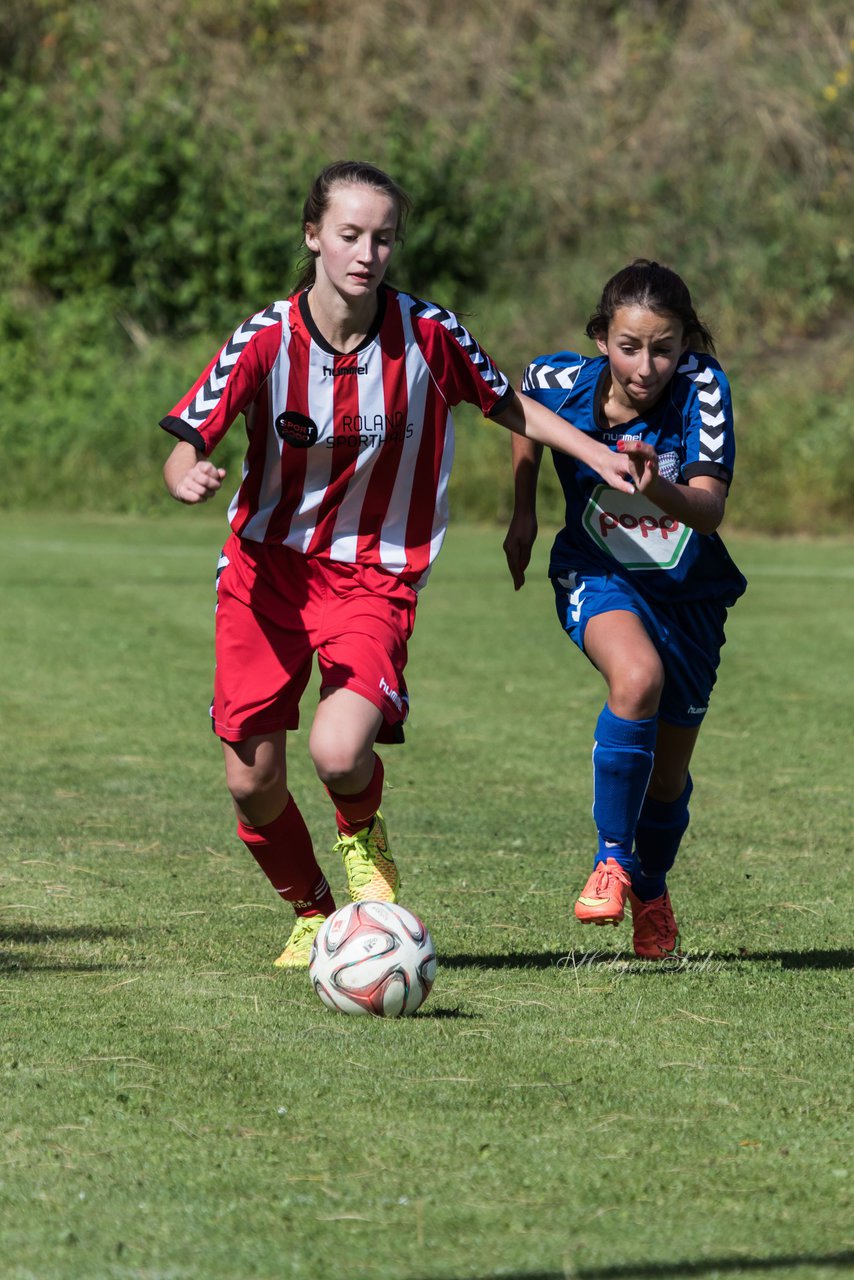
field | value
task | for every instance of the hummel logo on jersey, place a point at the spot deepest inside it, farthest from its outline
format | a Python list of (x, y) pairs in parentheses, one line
[(331, 372), (296, 429)]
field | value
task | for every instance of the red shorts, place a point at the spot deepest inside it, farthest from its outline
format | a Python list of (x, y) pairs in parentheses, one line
[(276, 608)]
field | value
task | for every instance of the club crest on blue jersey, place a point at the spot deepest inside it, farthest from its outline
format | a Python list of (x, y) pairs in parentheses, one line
[(670, 466)]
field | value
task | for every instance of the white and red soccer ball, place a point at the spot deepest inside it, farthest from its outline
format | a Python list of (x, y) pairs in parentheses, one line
[(373, 957)]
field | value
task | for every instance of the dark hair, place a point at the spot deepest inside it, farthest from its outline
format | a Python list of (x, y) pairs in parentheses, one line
[(357, 173), (648, 284)]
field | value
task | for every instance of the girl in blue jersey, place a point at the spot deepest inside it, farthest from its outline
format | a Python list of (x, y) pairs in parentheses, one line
[(642, 582)]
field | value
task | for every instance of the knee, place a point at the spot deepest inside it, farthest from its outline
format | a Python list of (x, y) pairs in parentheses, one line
[(670, 782), (338, 757), (635, 691), (341, 742), (253, 786)]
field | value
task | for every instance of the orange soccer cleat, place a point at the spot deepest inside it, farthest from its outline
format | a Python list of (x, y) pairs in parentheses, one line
[(656, 933), (603, 898)]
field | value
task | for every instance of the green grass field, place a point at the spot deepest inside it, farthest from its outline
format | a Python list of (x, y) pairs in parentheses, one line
[(172, 1107)]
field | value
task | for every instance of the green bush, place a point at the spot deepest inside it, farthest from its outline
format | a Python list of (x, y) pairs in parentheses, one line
[(142, 205), (155, 163), (190, 231)]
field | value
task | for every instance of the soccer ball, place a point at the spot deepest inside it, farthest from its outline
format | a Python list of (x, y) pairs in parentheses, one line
[(373, 957)]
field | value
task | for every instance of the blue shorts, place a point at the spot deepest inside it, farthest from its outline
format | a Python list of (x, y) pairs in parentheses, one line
[(688, 636)]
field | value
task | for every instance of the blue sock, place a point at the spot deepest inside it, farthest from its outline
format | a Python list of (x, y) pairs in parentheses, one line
[(622, 763), (661, 826)]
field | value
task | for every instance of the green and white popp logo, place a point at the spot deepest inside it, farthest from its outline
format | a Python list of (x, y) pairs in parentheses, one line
[(633, 530)]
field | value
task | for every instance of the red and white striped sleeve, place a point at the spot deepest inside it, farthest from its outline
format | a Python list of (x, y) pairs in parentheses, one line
[(461, 367), (230, 382)]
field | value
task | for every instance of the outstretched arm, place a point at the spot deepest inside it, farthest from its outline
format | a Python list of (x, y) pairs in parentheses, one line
[(700, 504), (525, 417), (189, 476)]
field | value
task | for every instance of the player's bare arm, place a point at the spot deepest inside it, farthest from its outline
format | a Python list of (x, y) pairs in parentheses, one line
[(522, 531), (700, 504), (190, 477), (525, 417)]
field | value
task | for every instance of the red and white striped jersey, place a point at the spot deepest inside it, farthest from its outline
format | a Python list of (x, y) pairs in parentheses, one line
[(349, 455)]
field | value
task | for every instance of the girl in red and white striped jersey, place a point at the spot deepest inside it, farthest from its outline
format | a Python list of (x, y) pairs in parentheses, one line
[(346, 388)]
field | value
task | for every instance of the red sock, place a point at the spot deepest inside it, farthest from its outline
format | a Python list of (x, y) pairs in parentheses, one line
[(284, 852), (352, 813)]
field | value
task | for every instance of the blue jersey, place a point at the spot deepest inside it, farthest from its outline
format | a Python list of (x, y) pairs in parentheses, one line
[(690, 427)]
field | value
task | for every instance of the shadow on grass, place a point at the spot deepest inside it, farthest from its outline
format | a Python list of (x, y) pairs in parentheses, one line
[(508, 960), (832, 959), (667, 1270), (34, 936), (691, 962), (10, 965), (445, 1013)]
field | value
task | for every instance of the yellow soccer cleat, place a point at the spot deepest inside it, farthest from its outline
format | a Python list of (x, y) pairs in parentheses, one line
[(372, 874), (297, 952)]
